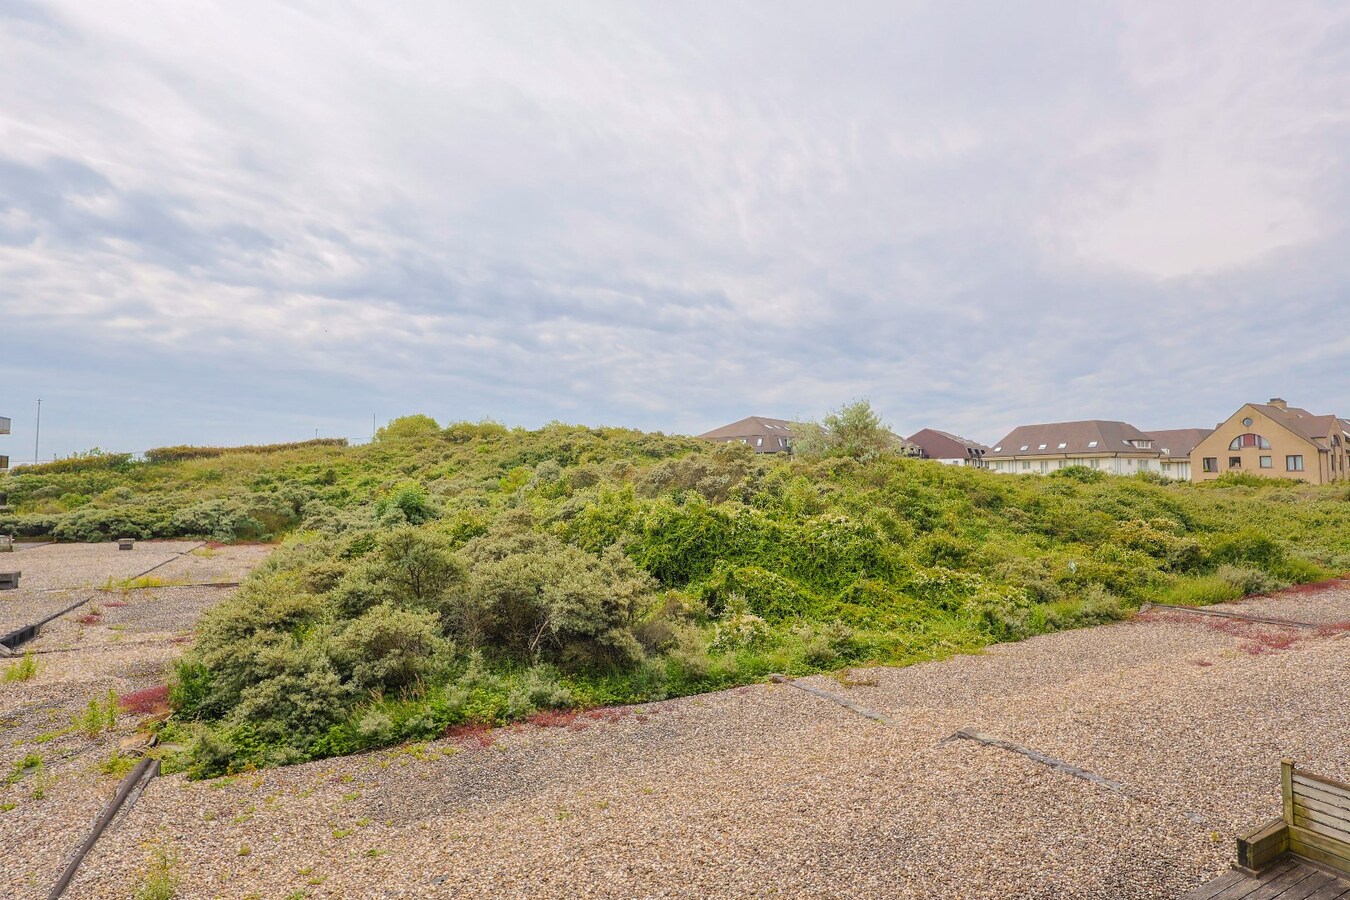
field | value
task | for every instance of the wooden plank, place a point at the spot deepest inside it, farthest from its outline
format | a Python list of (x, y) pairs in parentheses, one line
[(1242, 889), (1257, 850), (1333, 803), (1339, 889), (1315, 882), (1321, 783), (1330, 826), (1207, 890), (1287, 788), (1281, 884), (1318, 848)]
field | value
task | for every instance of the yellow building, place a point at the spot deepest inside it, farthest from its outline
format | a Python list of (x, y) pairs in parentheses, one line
[(1278, 441)]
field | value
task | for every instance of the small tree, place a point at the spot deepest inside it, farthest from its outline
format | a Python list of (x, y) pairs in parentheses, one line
[(854, 430)]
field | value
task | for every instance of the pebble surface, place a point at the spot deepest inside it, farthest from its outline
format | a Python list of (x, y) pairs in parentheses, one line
[(120, 641), (767, 791)]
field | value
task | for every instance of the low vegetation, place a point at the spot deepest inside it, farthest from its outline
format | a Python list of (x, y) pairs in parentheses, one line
[(451, 579)]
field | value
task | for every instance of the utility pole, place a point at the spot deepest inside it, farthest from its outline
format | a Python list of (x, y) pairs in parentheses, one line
[(37, 432)]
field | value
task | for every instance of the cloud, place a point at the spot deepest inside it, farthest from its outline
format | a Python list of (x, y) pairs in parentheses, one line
[(974, 215)]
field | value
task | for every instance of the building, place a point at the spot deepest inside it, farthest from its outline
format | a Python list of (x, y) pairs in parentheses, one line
[(1279, 441), (1116, 448), (1174, 447), (764, 435), (4, 429), (949, 449)]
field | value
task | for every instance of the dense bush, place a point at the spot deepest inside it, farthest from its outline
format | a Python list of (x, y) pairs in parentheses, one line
[(474, 574)]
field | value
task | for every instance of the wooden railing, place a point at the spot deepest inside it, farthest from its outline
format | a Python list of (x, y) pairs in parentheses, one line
[(1315, 824)]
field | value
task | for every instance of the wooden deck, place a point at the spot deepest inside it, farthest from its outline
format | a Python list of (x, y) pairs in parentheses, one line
[(1289, 879)]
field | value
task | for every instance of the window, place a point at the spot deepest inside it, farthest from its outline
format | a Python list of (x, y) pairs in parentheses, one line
[(1210, 464), (1096, 464), (1234, 462), (1045, 467), (1266, 463), (998, 448), (1249, 440), (1062, 445), (1025, 466), (1024, 446), (1293, 463), (1247, 422), (1167, 467), (759, 442), (1092, 443), (1041, 447)]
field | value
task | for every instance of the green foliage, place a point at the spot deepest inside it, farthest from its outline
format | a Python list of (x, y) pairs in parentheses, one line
[(25, 669), (160, 880), (855, 430), (181, 452), (475, 575)]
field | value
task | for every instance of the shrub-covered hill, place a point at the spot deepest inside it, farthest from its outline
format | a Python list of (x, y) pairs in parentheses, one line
[(474, 575)]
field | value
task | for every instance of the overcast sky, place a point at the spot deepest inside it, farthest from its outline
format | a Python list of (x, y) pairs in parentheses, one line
[(244, 221)]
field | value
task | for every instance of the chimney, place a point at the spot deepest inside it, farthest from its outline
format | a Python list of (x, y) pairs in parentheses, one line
[(1278, 403)]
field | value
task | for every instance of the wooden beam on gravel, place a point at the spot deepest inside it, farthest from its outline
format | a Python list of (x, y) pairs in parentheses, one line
[(833, 698), (1059, 765), (133, 784), (1225, 614)]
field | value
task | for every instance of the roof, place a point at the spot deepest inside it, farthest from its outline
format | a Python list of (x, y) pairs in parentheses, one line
[(750, 426), (945, 445), (1301, 422), (1090, 437), (1178, 442)]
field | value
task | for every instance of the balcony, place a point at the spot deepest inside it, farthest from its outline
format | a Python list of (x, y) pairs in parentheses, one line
[(4, 425)]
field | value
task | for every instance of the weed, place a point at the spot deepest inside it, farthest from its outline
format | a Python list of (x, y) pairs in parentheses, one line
[(30, 763), (160, 881), (376, 853), (340, 833), (245, 850), (7, 806), (117, 764), (24, 670)]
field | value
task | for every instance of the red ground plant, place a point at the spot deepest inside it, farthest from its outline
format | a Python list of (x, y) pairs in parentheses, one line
[(90, 619), (152, 701), (479, 736)]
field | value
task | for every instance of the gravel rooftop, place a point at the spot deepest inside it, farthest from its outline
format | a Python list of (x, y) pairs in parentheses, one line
[(121, 641), (768, 791)]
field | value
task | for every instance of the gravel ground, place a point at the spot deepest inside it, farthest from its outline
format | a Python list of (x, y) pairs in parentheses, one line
[(75, 566), (769, 791), (126, 646)]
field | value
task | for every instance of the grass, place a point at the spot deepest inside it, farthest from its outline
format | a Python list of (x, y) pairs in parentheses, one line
[(29, 764), (143, 582), (118, 764), (25, 669), (99, 715), (160, 880), (1200, 590)]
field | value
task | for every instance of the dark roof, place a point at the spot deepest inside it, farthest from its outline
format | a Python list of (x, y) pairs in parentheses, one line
[(1093, 436), (1178, 442), (945, 445), (1301, 422), (763, 434), (750, 426)]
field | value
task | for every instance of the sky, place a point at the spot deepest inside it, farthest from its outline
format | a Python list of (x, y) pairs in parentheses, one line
[(250, 222)]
